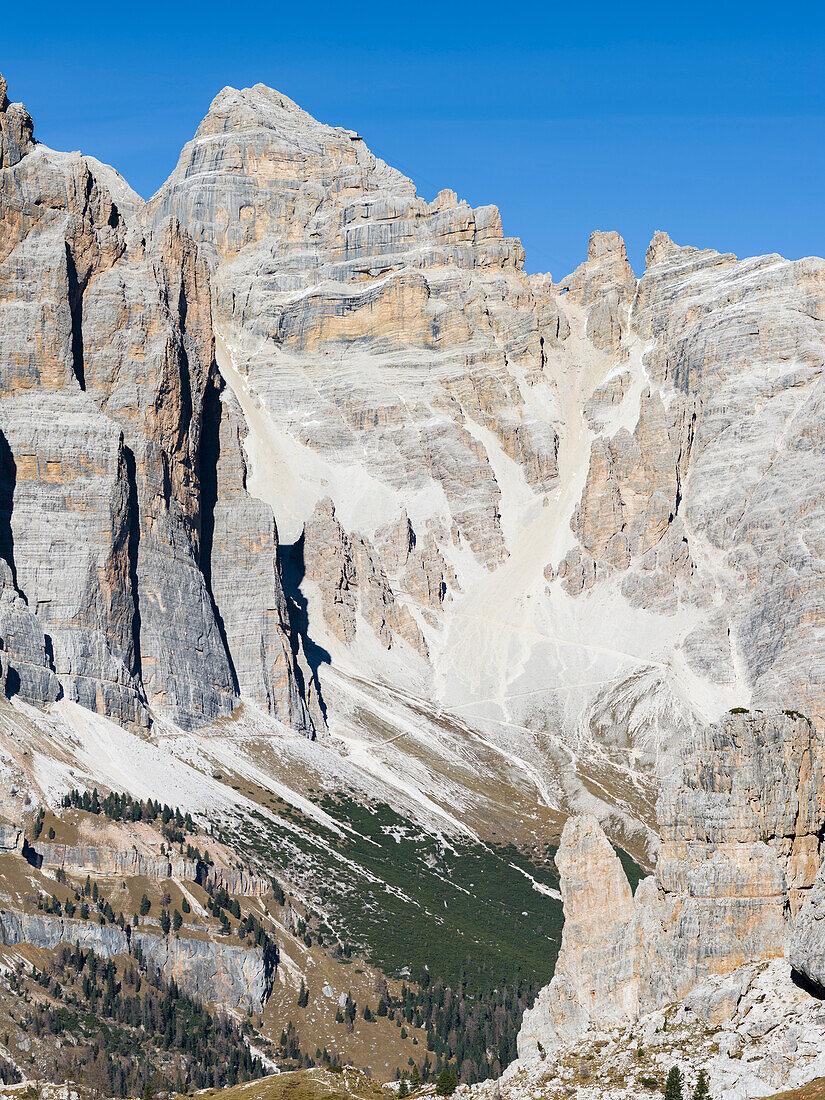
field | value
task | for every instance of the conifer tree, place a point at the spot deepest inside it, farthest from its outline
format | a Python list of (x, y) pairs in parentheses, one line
[(673, 1085), (447, 1082), (701, 1090)]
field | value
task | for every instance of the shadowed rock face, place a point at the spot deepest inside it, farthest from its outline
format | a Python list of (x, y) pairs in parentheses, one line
[(806, 949), (107, 360), (741, 821)]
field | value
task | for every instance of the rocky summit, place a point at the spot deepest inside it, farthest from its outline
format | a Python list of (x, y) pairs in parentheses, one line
[(408, 662)]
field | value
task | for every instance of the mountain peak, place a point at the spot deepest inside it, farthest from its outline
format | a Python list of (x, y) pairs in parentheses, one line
[(16, 129), (660, 246), (264, 109)]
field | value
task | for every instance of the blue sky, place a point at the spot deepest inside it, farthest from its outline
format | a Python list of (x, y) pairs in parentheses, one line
[(706, 120)]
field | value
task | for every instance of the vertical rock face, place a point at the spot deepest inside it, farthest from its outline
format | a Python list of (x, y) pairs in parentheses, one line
[(154, 383), (352, 582), (739, 346), (631, 494), (586, 512), (597, 976), (218, 972), (806, 948), (750, 786), (425, 303), (605, 286), (70, 524), (244, 576), (107, 358), (16, 129), (66, 519), (742, 822)]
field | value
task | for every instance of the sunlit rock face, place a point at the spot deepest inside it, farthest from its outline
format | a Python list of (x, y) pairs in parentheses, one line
[(378, 329), (588, 510), (583, 516), (111, 484)]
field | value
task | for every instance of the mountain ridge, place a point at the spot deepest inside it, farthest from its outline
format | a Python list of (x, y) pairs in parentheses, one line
[(323, 523)]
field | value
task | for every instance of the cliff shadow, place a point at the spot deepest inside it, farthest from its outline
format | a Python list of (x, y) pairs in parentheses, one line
[(133, 549), (811, 987), (8, 481), (31, 855), (76, 290), (293, 571), (210, 453)]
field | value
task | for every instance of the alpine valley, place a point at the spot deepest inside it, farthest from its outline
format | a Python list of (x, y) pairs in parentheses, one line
[(413, 670)]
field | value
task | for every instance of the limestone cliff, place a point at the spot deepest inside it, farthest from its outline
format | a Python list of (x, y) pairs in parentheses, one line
[(584, 501), (741, 820), (567, 511), (204, 968), (579, 517), (116, 514)]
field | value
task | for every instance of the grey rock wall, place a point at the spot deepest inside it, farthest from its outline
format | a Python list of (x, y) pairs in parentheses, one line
[(670, 428), (107, 360), (101, 860), (245, 579), (222, 973), (806, 946)]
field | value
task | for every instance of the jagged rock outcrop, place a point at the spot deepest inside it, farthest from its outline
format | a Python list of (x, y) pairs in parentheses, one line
[(16, 129), (737, 350), (222, 973), (244, 578), (631, 494), (597, 976), (605, 286), (753, 1032), (107, 359), (551, 491), (741, 821), (352, 582), (543, 441), (426, 301)]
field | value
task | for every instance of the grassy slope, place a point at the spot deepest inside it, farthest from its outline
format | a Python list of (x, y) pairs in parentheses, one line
[(814, 1090), (407, 899), (313, 1084)]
